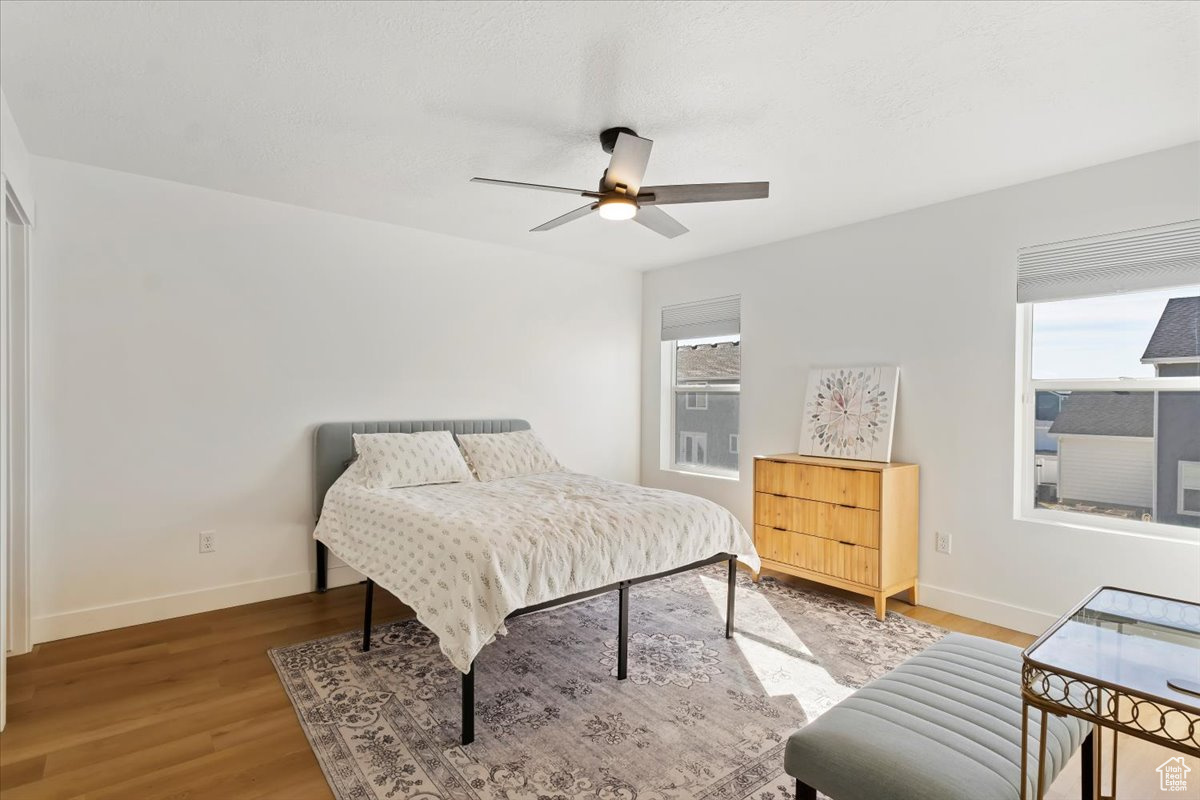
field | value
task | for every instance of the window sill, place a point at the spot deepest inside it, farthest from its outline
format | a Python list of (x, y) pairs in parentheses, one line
[(721, 476), (1143, 530)]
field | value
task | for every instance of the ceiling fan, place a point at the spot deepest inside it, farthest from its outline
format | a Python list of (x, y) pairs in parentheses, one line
[(622, 196)]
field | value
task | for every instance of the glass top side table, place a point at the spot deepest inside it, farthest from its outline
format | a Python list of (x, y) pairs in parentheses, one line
[(1125, 660)]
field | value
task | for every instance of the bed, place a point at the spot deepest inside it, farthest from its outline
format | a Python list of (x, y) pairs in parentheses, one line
[(468, 556)]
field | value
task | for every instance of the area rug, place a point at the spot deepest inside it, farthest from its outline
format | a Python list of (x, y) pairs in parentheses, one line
[(699, 716)]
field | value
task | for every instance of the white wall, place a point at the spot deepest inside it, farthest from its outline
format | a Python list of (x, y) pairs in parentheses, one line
[(15, 170), (186, 341), (14, 158), (933, 290)]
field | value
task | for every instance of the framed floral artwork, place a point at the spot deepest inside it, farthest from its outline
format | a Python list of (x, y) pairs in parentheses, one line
[(850, 412)]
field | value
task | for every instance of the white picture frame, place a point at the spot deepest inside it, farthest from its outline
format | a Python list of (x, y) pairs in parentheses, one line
[(850, 412)]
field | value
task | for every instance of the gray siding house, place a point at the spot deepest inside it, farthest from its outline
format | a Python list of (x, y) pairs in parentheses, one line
[(706, 423), (1178, 474), (1174, 350)]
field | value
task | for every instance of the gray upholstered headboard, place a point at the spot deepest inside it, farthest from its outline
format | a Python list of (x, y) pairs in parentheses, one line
[(335, 442)]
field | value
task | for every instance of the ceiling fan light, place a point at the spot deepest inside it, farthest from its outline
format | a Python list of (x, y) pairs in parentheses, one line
[(618, 208)]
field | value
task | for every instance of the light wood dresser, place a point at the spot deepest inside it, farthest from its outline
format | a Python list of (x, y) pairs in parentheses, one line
[(850, 524)]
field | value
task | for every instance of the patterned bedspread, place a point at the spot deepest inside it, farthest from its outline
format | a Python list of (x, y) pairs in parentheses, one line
[(465, 555)]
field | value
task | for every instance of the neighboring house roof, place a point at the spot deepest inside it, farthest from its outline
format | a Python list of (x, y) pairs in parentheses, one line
[(709, 362), (1106, 414), (1177, 335)]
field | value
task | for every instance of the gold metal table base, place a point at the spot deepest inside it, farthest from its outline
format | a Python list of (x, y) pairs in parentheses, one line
[(1156, 732)]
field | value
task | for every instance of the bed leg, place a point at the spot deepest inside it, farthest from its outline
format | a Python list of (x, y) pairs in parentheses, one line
[(804, 791), (322, 568), (468, 705), (367, 615), (623, 633), (732, 595)]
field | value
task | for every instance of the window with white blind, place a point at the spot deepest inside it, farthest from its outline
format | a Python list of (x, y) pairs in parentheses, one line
[(702, 377), (1109, 416)]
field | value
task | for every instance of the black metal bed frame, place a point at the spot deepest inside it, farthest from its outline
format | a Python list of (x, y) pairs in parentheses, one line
[(322, 567), (621, 587)]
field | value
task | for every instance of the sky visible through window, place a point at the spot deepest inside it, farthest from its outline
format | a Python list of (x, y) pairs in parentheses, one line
[(1098, 337)]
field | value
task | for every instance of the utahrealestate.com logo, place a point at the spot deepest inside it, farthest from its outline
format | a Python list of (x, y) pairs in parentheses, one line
[(1172, 775)]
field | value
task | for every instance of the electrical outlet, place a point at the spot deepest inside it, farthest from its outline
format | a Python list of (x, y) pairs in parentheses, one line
[(941, 542), (208, 541)]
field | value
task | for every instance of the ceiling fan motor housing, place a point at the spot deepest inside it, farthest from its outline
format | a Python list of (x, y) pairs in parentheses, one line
[(608, 138)]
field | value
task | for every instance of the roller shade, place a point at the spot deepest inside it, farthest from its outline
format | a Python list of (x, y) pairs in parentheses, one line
[(1138, 260), (721, 316)]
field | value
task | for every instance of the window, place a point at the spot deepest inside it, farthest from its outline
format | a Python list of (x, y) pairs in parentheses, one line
[(693, 448), (1111, 412), (1110, 389), (702, 376), (1189, 488), (711, 415)]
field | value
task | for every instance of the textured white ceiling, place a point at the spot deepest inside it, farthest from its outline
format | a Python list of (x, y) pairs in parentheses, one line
[(384, 110)]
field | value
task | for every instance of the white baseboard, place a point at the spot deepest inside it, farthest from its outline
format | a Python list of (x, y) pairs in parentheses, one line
[(1018, 618), (341, 575), (153, 609)]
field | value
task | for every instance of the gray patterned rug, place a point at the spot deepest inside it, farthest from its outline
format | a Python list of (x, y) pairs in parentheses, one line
[(699, 717)]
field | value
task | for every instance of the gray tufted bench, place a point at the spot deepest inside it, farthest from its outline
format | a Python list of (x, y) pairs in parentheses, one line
[(944, 725)]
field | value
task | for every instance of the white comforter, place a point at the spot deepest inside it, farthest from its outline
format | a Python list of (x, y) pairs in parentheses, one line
[(465, 555)]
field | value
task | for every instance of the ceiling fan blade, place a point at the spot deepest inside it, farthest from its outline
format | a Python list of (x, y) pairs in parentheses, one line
[(660, 222), (628, 163), (702, 193), (578, 213), (543, 187)]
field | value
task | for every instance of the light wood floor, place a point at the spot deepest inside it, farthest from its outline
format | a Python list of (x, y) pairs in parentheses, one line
[(191, 708)]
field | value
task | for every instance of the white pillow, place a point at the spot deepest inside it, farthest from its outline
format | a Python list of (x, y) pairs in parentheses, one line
[(396, 460), (507, 455)]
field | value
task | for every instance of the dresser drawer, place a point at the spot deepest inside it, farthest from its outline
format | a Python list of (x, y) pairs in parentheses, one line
[(773, 543), (827, 520), (849, 487), (846, 561)]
